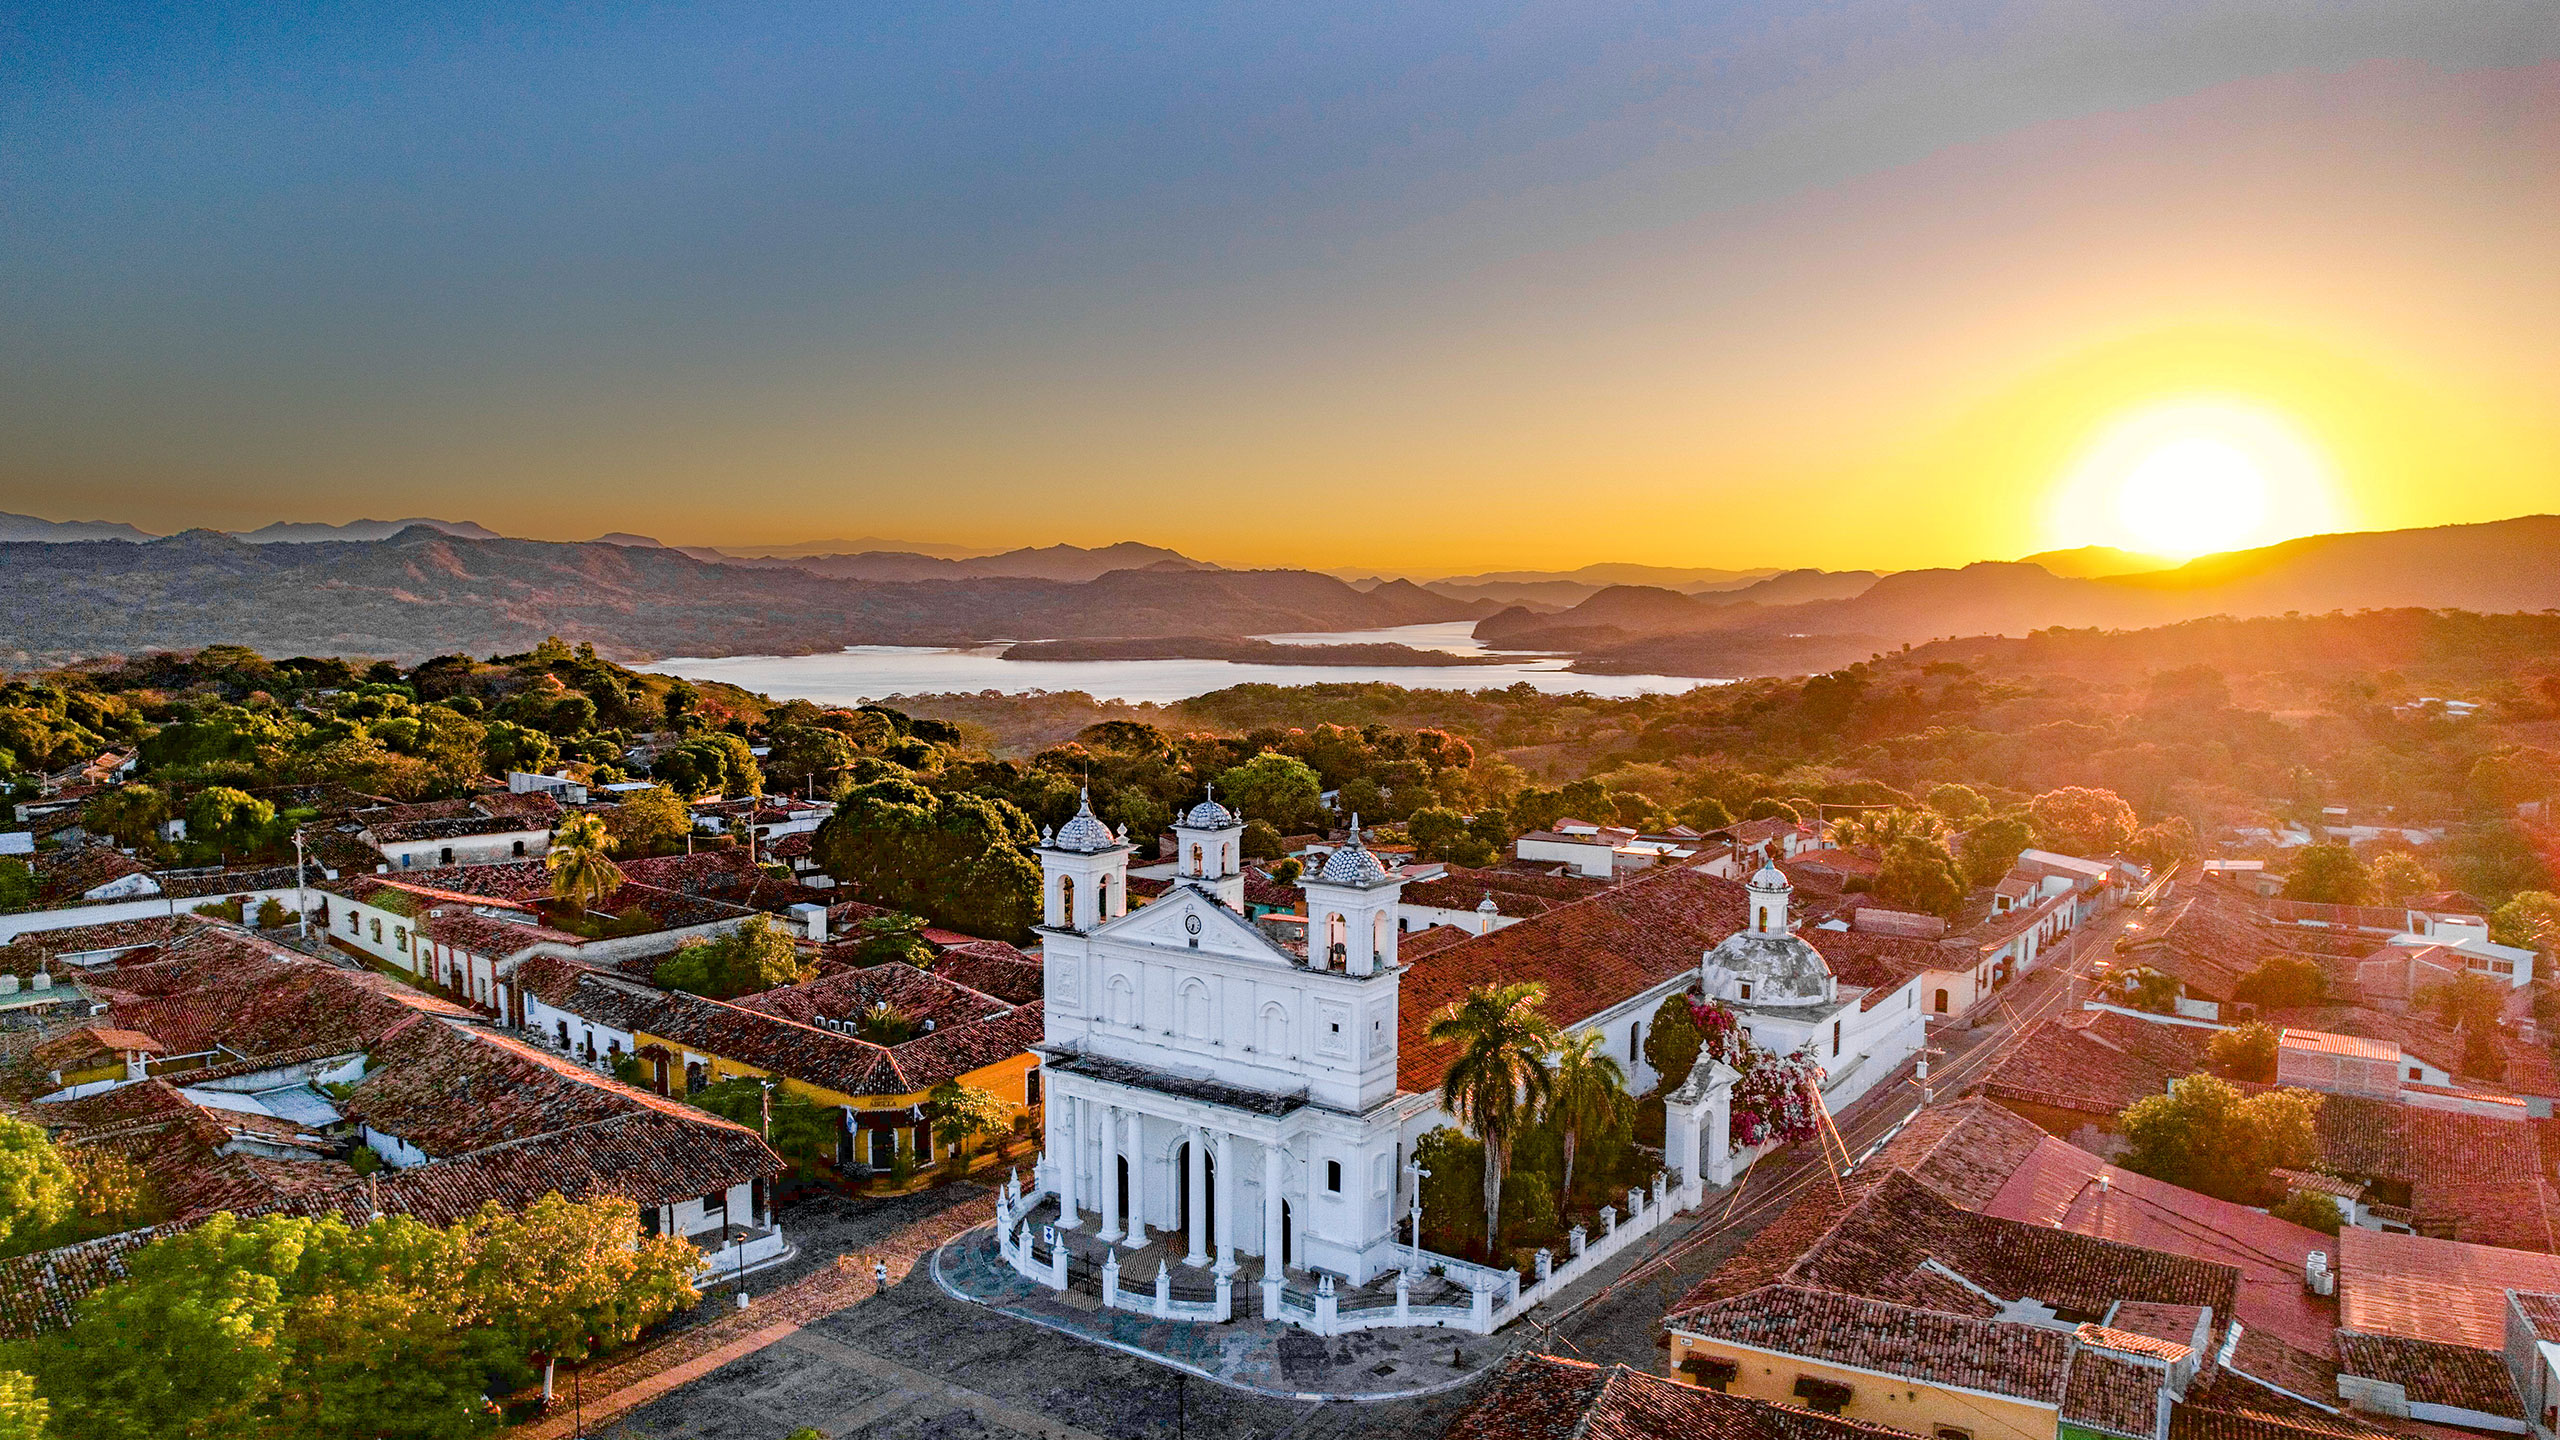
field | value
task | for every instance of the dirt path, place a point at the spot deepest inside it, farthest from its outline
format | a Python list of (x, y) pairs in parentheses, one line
[(634, 1378)]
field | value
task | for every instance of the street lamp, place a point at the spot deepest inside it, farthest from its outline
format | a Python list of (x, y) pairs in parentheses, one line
[(1414, 1168)]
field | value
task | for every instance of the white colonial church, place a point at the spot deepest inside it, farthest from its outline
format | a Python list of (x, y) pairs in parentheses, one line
[(1224, 1096), (1200, 1068)]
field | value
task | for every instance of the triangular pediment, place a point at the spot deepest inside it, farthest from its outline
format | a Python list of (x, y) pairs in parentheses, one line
[(1183, 918)]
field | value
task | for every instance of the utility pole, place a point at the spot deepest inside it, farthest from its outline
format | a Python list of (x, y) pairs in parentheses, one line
[(301, 896)]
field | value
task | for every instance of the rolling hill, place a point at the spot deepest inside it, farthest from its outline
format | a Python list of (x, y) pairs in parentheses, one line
[(422, 592)]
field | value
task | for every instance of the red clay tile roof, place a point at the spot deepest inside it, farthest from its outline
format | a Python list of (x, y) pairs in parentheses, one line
[(2221, 1405), (1920, 1344), (2440, 1290), (2070, 1068), (991, 967), (2110, 1392), (37, 949), (2059, 1187), (1590, 954), (2434, 1373), (2529, 1070), (781, 1046), (1878, 964), (1514, 894), (1542, 1397), (1965, 1151), (851, 994)]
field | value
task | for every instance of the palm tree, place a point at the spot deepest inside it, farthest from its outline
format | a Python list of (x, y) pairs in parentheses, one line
[(1499, 1078), (1588, 1091), (581, 873)]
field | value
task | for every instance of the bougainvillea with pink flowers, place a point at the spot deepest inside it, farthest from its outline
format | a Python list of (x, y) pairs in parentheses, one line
[(1778, 1098)]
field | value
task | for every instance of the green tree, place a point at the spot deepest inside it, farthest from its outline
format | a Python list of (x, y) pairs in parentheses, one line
[(957, 858), (130, 813), (893, 939), (1499, 1078), (2530, 921), (1586, 1097), (2330, 875), (2170, 842), (1960, 804), (2397, 875), (2309, 1210), (1990, 849), (1275, 787), (1453, 1188), (1672, 1042), (2282, 982), (2204, 1136), (565, 1279), (1881, 830), (809, 751), (1918, 874), (22, 1410), (755, 956), (221, 816), (2245, 1052), (962, 1113), (2078, 820), (279, 1327), (654, 821), (580, 861), (18, 887), (37, 1188)]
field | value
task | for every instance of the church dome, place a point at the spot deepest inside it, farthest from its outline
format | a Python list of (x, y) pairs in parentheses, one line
[(1770, 877), (1209, 815), (1780, 969), (1352, 864), (1086, 832)]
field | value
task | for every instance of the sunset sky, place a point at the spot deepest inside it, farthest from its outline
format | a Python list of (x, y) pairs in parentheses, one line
[(1462, 286)]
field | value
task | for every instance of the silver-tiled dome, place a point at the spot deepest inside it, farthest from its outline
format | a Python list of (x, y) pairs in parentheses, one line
[(1352, 864), (1209, 815), (1086, 832)]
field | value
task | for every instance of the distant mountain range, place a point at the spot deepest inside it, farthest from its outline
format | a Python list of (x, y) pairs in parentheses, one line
[(2502, 566), (424, 592), (28, 527), (1072, 563), (92, 588)]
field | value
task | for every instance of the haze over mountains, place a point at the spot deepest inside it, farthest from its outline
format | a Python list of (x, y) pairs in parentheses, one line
[(435, 587)]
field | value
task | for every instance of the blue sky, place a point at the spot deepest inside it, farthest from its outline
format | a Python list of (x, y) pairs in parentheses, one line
[(1024, 273)]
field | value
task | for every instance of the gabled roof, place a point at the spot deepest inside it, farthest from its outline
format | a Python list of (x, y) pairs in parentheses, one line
[(2439, 1290), (1542, 1397), (1591, 954)]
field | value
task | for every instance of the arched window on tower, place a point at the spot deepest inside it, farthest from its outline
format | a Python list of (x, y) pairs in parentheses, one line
[(1067, 901), (1764, 920), (1196, 853), (1102, 897), (1226, 859), (1337, 937)]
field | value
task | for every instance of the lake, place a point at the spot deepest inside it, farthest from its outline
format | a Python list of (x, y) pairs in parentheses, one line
[(860, 673)]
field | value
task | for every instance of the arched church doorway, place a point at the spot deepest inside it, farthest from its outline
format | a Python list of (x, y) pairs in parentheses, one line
[(1182, 1168), (1124, 1196), (1288, 1234)]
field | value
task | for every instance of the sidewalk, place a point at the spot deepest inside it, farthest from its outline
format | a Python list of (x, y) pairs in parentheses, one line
[(633, 1379), (1266, 1357)]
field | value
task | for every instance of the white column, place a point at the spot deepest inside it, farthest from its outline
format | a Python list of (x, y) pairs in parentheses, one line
[(1071, 1163), (1136, 1219), (1106, 1175), (1198, 1182), (1226, 1226), (1271, 1203)]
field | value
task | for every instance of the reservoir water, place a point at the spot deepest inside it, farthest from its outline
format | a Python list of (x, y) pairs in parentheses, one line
[(860, 673)]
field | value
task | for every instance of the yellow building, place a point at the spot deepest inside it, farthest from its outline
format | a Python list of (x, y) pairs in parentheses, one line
[(1880, 1300)]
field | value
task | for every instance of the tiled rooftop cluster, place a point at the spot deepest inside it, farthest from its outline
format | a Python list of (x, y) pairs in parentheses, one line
[(497, 1119)]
